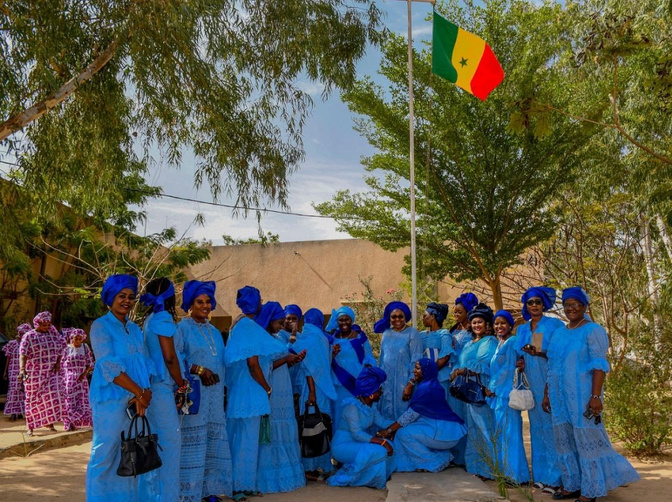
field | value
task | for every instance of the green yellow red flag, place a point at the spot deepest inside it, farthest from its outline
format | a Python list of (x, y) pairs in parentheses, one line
[(463, 58)]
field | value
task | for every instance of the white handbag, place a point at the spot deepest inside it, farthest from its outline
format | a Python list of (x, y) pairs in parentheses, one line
[(521, 397)]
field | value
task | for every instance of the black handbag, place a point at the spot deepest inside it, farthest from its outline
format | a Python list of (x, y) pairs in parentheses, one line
[(315, 432), (468, 389), (139, 454)]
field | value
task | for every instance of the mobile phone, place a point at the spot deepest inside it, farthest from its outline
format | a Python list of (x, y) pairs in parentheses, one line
[(588, 414), (529, 346), (131, 410)]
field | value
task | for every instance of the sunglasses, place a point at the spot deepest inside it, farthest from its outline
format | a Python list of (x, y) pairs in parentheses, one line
[(400, 316), (534, 301), (572, 306)]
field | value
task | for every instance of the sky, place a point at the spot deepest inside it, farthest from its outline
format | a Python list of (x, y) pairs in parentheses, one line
[(332, 163)]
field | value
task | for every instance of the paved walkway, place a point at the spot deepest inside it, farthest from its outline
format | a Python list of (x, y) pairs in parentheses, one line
[(13, 441), (451, 485)]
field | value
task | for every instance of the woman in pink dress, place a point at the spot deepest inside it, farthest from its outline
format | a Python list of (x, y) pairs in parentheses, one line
[(39, 367), (76, 364), (15, 404)]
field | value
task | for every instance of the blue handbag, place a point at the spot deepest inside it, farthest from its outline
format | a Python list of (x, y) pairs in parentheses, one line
[(468, 389), (193, 401)]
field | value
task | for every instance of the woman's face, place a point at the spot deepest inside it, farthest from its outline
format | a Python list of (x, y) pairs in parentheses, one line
[(502, 327), (344, 323), (460, 313), (574, 310), (377, 395), (478, 326), (77, 340), (291, 321), (276, 325), (123, 303), (43, 326), (427, 319), (535, 306), (201, 308), (397, 320), (417, 372)]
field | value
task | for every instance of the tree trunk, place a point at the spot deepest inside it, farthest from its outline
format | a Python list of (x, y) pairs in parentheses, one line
[(651, 282), (18, 122), (664, 235), (496, 288)]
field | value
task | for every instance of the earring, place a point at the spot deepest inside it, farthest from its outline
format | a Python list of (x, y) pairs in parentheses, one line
[(371, 396)]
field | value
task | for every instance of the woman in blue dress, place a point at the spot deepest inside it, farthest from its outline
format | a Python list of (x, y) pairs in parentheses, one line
[(121, 377), (351, 353), (509, 446), (425, 433), (367, 459), (577, 356), (206, 469), (531, 343), (158, 330), (315, 383), (400, 348), (437, 343), (280, 468), (475, 359)]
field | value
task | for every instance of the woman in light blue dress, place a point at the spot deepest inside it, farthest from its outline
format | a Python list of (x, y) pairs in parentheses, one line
[(367, 459), (475, 359), (400, 348), (121, 377), (206, 469), (158, 330), (577, 356), (280, 468), (509, 446), (425, 433), (532, 340), (352, 352), (314, 380), (437, 343)]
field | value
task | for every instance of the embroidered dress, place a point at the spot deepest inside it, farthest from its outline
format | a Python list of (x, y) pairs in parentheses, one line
[(15, 404), (74, 362), (399, 350), (43, 386), (586, 458), (205, 467), (280, 468), (545, 467), (162, 414), (118, 348), (479, 453), (509, 447)]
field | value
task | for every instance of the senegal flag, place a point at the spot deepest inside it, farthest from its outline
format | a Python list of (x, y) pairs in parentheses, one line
[(465, 59)]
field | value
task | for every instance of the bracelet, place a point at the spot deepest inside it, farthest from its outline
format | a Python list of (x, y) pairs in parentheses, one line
[(268, 392), (384, 442), (412, 381), (593, 396), (200, 370), (142, 394)]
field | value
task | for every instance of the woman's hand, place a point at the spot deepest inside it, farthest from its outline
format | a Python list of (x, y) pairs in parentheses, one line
[(335, 350), (83, 375), (293, 359), (595, 405), (140, 407), (22, 375), (408, 392), (520, 364), (488, 393), (530, 349), (457, 372), (312, 399), (384, 443), (56, 368), (207, 377), (144, 398), (546, 404)]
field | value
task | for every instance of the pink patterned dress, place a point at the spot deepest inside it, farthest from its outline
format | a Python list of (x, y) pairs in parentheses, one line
[(76, 406), (15, 403), (43, 386)]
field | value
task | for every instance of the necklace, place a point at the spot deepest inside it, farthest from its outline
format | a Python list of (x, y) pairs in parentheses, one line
[(579, 324), (206, 335)]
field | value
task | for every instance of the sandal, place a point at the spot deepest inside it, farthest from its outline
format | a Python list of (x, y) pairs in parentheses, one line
[(29, 433), (538, 486), (239, 497), (212, 498), (562, 494), (253, 493), (587, 500), (550, 490)]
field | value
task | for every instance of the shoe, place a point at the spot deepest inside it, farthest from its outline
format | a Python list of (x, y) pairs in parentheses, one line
[(549, 490), (563, 495), (538, 486), (589, 500)]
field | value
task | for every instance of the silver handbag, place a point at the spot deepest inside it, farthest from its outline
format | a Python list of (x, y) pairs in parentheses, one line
[(521, 397)]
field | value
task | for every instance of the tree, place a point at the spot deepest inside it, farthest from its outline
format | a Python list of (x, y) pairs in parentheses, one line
[(220, 78), (484, 171), (266, 239)]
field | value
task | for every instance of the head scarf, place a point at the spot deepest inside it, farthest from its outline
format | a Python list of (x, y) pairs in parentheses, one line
[(314, 317), (73, 332), (547, 296), (468, 301), (248, 300), (270, 311), (429, 398), (114, 284), (483, 311), (576, 293), (23, 328), (194, 289), (41, 317), (506, 315), (369, 381), (157, 302), (384, 323), (439, 311), (332, 325), (292, 309)]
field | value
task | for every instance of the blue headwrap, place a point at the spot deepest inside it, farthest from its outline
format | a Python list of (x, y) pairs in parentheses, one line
[(270, 311), (547, 296), (483, 311), (369, 381), (439, 311), (576, 293), (335, 314), (384, 323), (429, 398), (314, 317), (248, 300), (116, 283), (157, 302), (506, 315), (468, 301), (293, 309), (194, 289)]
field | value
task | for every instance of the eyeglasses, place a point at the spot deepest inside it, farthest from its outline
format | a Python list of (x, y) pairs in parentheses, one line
[(398, 316), (534, 301), (572, 306)]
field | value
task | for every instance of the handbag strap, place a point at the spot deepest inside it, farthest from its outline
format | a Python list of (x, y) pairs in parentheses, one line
[(317, 410), (523, 379)]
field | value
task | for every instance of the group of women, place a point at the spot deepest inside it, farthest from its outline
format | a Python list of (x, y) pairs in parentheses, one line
[(391, 414)]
